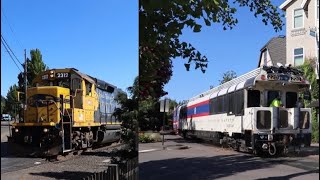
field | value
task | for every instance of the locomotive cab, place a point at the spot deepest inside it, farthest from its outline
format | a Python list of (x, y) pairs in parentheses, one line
[(67, 110)]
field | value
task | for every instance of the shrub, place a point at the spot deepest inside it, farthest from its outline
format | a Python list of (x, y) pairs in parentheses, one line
[(145, 139)]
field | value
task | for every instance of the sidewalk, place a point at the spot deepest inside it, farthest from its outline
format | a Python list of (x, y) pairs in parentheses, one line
[(6, 123), (157, 146)]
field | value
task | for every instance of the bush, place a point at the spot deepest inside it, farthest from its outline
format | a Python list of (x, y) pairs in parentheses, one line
[(145, 139), (315, 127)]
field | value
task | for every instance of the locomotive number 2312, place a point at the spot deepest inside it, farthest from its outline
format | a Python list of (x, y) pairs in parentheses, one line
[(62, 75)]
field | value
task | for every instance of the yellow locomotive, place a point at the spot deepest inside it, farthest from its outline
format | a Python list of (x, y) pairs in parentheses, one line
[(66, 110)]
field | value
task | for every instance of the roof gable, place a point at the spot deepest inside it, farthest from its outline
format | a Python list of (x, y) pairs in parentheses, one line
[(287, 3), (277, 50)]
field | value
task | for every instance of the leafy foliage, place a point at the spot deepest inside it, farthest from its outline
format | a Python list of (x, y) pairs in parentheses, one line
[(161, 24), (3, 104), (308, 70), (227, 76), (129, 128), (146, 139), (35, 65), (11, 100), (150, 117)]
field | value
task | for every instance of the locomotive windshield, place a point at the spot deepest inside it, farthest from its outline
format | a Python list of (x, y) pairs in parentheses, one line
[(57, 82), (41, 100)]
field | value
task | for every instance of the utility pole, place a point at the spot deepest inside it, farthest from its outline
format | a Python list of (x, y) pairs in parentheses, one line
[(25, 79)]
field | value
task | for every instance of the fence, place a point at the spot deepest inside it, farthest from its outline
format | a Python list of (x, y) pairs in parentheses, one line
[(126, 171)]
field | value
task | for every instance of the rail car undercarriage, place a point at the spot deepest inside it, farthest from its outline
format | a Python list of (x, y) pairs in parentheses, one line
[(259, 144)]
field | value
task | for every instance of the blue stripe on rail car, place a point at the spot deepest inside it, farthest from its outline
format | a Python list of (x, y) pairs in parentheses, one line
[(201, 110)]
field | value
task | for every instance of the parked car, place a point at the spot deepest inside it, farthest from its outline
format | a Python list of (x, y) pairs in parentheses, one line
[(6, 117)]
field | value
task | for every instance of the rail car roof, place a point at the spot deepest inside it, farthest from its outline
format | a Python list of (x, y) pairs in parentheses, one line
[(104, 85), (98, 82), (241, 82), (84, 76)]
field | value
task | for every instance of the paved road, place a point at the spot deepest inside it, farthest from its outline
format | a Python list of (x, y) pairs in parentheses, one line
[(203, 161), (75, 167), (11, 163)]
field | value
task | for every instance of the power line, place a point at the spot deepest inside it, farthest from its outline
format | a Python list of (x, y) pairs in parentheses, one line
[(10, 27), (2, 38), (10, 55)]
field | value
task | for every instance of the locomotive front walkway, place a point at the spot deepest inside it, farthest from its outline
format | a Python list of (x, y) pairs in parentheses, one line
[(204, 161)]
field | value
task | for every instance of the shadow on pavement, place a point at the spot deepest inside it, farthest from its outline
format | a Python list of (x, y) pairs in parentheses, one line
[(101, 154), (4, 149), (203, 167), (73, 175), (290, 176), (303, 152)]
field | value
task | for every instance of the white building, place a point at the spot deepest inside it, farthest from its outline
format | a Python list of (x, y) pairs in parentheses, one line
[(302, 31)]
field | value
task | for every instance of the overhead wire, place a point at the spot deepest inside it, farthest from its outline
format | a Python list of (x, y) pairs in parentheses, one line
[(3, 43), (11, 29), (10, 49)]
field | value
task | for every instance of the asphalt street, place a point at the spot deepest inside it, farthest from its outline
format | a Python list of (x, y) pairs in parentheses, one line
[(73, 167), (192, 160), (11, 163)]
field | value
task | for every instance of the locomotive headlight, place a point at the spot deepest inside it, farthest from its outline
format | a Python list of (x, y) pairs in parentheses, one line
[(16, 130), (60, 133), (270, 137), (45, 130)]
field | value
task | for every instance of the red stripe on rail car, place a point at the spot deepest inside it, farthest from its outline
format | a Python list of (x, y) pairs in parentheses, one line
[(199, 104), (199, 115)]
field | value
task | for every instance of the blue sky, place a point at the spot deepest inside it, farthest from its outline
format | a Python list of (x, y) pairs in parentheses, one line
[(237, 49), (99, 38)]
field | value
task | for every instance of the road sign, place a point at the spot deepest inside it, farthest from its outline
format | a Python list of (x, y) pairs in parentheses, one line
[(164, 105)]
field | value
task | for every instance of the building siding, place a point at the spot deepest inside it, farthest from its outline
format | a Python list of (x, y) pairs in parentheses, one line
[(301, 38)]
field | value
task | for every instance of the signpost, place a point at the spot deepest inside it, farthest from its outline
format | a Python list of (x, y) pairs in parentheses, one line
[(164, 107)]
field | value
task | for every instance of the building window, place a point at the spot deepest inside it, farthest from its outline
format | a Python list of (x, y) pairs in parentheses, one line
[(298, 56), (298, 18)]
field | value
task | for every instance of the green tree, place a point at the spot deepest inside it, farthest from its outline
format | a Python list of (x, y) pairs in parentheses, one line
[(308, 69), (3, 104), (35, 65), (128, 114), (227, 76), (12, 101), (161, 24), (172, 105), (150, 117)]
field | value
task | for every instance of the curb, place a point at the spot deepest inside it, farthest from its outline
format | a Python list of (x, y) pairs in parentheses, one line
[(149, 150), (165, 148)]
